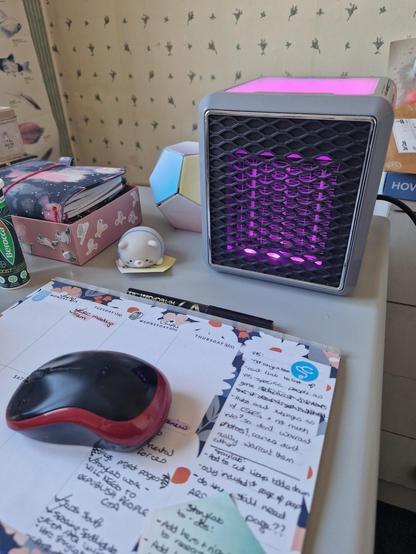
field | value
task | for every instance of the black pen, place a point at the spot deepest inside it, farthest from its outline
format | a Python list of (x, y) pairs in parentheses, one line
[(204, 308)]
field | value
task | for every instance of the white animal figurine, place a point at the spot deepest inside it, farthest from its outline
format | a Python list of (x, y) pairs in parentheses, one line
[(141, 247)]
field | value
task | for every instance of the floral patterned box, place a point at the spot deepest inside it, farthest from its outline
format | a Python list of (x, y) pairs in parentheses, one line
[(80, 241)]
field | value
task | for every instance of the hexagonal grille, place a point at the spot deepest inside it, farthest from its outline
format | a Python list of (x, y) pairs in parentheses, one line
[(282, 193)]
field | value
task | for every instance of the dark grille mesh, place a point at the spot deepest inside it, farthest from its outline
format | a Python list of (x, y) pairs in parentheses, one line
[(282, 193)]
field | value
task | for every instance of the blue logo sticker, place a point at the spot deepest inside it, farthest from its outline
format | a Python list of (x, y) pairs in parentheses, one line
[(304, 371), (40, 295)]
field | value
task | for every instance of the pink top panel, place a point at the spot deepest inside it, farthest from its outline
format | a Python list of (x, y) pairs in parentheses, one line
[(309, 85)]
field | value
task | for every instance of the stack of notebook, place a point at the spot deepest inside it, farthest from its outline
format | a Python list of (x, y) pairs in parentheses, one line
[(58, 191)]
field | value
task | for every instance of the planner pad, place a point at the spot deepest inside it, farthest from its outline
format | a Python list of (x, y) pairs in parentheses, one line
[(248, 418)]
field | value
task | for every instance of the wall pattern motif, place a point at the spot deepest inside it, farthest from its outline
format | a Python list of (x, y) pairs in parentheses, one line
[(132, 72)]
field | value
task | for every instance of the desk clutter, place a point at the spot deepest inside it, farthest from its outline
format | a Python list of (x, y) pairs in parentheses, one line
[(233, 468), (68, 213), (400, 164), (283, 198)]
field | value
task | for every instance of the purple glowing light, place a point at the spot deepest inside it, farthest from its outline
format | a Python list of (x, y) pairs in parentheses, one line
[(274, 203), (324, 158), (309, 85)]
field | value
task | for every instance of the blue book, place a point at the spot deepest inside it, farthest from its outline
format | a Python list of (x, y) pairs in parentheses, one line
[(400, 185)]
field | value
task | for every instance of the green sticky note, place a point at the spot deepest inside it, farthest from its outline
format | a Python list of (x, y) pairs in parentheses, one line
[(211, 524)]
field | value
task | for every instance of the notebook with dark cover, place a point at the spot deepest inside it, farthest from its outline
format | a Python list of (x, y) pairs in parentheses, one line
[(57, 191)]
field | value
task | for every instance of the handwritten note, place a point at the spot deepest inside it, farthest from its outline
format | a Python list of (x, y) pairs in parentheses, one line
[(109, 490), (210, 525), (248, 418), (266, 442)]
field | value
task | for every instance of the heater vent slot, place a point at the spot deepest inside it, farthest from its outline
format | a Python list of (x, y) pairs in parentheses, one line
[(283, 192)]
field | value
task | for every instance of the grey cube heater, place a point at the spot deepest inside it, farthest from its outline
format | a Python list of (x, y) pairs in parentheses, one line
[(290, 169)]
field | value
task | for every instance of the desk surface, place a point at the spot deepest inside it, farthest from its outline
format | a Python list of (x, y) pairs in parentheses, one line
[(343, 514)]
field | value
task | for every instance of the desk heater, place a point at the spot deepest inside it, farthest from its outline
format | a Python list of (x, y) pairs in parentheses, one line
[(290, 169)]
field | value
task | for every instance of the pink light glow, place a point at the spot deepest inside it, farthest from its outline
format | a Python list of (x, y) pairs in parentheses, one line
[(309, 85), (324, 158), (273, 203)]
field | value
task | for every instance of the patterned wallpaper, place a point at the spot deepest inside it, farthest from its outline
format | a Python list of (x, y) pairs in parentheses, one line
[(21, 83), (132, 72)]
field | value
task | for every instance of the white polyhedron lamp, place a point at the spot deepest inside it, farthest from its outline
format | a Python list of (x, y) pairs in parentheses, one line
[(175, 185)]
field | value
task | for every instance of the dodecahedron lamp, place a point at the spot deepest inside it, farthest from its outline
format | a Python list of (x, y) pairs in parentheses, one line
[(175, 185)]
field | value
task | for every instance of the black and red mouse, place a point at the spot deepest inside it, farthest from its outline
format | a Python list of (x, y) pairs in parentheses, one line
[(102, 398)]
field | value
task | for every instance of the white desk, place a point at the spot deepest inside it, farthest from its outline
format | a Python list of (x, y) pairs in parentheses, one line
[(343, 513)]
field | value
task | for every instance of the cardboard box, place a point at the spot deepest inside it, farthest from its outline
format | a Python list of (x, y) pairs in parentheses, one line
[(401, 153), (79, 242)]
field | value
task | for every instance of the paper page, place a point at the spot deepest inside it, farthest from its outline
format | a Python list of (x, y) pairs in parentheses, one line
[(248, 417), (210, 525), (404, 132), (267, 439)]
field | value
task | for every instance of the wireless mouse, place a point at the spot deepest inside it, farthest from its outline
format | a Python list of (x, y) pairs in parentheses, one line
[(100, 398)]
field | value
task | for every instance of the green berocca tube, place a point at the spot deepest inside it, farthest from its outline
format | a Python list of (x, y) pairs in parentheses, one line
[(13, 270)]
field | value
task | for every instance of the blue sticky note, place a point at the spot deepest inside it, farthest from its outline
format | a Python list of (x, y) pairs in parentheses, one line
[(38, 296), (211, 524)]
